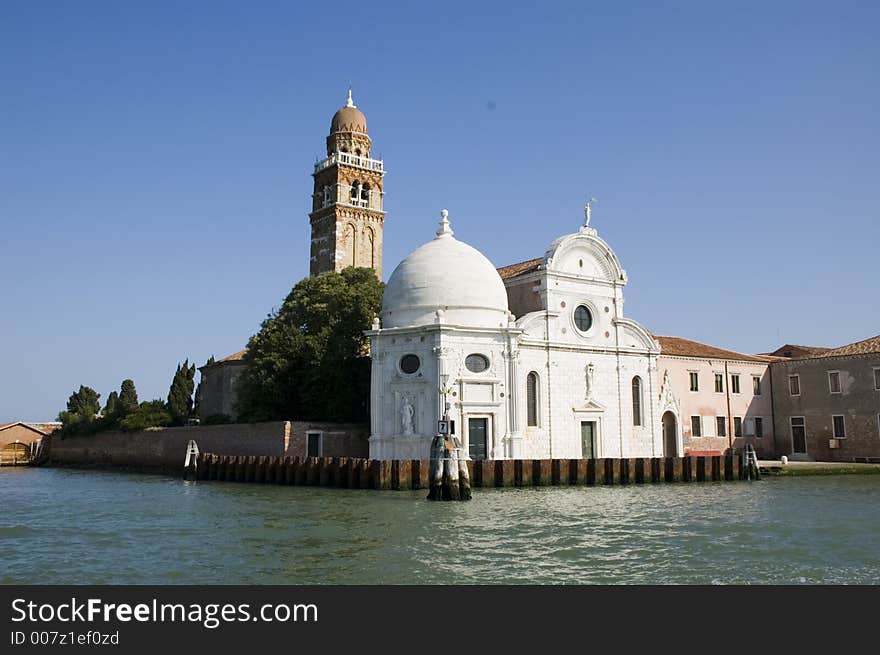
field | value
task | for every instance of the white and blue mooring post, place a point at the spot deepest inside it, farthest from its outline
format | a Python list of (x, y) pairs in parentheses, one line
[(448, 472)]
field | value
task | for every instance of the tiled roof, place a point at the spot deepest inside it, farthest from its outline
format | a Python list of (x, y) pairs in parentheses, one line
[(864, 347), (687, 348), (507, 272), (793, 350), (234, 357), (42, 428)]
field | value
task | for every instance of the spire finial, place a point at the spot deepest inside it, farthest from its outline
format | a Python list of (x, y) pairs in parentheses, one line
[(444, 230), (349, 102)]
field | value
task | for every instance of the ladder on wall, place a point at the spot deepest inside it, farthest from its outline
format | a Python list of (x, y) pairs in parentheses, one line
[(753, 471)]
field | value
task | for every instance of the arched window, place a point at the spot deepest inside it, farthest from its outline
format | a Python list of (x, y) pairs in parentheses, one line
[(365, 194), (532, 399), (371, 238), (637, 400), (327, 196), (355, 192), (351, 257)]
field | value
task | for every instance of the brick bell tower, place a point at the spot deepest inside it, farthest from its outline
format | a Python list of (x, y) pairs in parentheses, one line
[(347, 214)]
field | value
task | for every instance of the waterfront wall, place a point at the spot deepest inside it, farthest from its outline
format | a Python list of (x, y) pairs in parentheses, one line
[(165, 448), (360, 473)]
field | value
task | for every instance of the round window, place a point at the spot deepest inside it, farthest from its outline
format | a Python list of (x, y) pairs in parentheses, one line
[(476, 363), (410, 364), (583, 319)]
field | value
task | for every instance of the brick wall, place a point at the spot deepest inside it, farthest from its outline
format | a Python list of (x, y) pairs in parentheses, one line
[(337, 439)]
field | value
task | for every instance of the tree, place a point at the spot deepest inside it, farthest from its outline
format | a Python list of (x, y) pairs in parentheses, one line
[(180, 402), (149, 414), (128, 398), (84, 402), (111, 407), (82, 408), (310, 359)]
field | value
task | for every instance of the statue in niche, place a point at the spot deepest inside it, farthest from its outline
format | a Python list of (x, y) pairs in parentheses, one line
[(589, 370), (406, 414)]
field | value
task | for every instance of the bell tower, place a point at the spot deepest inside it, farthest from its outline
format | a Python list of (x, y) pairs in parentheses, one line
[(347, 214)]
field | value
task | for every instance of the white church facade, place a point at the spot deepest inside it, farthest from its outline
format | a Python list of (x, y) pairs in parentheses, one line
[(533, 361)]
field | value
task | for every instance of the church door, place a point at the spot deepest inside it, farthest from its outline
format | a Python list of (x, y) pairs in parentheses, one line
[(670, 435), (588, 439), (477, 438)]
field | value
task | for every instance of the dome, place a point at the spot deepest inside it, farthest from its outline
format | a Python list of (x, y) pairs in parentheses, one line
[(349, 118), (445, 274)]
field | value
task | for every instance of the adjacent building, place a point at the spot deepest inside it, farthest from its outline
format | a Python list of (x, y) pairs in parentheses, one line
[(218, 394), (827, 403), (725, 397)]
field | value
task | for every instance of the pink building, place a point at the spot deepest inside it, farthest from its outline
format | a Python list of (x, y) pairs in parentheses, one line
[(723, 398)]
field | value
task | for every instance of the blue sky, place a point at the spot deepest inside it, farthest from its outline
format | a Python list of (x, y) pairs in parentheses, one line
[(155, 164)]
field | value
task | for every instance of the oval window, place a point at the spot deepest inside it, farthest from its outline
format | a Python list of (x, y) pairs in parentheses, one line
[(476, 363), (410, 364), (583, 319)]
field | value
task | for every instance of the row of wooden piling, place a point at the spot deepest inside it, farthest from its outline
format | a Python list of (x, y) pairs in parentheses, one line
[(358, 473)]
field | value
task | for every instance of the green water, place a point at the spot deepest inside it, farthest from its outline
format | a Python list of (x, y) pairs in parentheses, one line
[(79, 527)]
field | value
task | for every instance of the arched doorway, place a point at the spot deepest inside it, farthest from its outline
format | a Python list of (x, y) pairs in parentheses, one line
[(670, 435)]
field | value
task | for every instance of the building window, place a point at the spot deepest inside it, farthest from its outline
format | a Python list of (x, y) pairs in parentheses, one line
[(759, 427), (756, 385), (794, 385), (719, 383), (532, 399), (877, 379), (583, 319), (839, 426), (696, 426), (721, 426), (798, 435), (834, 381), (409, 364), (734, 383), (637, 400), (313, 444), (737, 426), (695, 381), (476, 363)]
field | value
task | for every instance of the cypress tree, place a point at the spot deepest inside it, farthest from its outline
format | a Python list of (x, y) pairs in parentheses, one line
[(128, 398), (111, 407), (180, 402)]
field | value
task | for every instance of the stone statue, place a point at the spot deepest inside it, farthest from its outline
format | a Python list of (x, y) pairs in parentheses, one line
[(589, 379), (406, 414), (588, 211)]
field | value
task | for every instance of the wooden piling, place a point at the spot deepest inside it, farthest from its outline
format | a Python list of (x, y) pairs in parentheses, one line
[(701, 469), (717, 471)]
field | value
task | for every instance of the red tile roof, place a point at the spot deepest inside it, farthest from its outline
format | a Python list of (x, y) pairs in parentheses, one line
[(521, 268), (793, 350), (864, 347), (686, 348)]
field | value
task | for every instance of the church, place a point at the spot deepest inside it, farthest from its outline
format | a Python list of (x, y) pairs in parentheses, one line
[(534, 360)]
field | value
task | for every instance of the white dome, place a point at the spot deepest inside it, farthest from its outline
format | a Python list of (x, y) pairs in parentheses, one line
[(448, 275)]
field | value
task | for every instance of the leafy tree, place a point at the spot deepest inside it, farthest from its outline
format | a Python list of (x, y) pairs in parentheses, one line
[(149, 414), (310, 360), (82, 408), (111, 407), (128, 398), (180, 402)]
